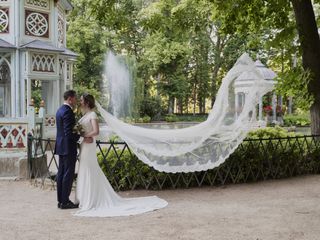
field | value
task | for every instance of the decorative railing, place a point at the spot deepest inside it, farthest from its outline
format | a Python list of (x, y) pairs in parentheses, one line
[(254, 160), (49, 122), (13, 133)]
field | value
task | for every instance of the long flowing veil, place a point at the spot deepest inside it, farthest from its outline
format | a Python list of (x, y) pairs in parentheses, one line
[(207, 144)]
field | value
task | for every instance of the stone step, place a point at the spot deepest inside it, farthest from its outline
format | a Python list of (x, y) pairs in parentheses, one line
[(13, 164)]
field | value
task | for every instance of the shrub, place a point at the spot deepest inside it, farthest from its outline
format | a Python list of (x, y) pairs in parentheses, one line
[(129, 172), (171, 118), (282, 155), (146, 119), (270, 132), (296, 120), (151, 107), (192, 118)]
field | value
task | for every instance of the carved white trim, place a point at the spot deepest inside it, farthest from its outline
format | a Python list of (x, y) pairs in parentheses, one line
[(61, 30), (5, 57), (50, 120), (5, 67), (43, 63), (4, 72), (42, 4), (4, 20), (37, 24), (68, 72), (61, 68)]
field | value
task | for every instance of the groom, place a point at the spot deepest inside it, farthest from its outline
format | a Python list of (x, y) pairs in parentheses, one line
[(66, 148)]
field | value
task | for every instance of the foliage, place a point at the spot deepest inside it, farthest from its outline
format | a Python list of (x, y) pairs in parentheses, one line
[(294, 83), (144, 119), (171, 118), (191, 118), (269, 132), (268, 110), (256, 159), (297, 120), (180, 50), (86, 38), (151, 106), (176, 44), (129, 167), (36, 94)]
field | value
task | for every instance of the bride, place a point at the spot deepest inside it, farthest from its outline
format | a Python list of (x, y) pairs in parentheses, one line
[(94, 193)]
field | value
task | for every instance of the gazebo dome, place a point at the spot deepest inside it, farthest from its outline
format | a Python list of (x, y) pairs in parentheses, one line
[(247, 78), (243, 83), (267, 73)]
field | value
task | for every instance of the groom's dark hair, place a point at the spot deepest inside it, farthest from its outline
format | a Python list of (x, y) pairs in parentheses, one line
[(69, 93)]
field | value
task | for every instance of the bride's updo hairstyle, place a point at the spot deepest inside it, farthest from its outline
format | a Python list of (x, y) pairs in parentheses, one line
[(88, 99)]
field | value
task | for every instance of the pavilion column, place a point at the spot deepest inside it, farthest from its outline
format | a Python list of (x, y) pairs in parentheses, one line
[(13, 87), (58, 94), (236, 104), (274, 106), (260, 108), (22, 97), (28, 96), (280, 102)]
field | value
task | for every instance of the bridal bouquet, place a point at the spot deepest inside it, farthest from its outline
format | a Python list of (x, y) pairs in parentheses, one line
[(78, 129)]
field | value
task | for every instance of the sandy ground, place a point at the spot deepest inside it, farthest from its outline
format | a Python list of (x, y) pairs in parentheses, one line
[(281, 209)]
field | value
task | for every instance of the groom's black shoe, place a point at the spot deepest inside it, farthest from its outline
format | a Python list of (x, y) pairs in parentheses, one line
[(59, 205), (68, 205)]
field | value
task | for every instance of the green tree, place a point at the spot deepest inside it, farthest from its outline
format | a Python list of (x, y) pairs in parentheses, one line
[(86, 38), (165, 50), (255, 15)]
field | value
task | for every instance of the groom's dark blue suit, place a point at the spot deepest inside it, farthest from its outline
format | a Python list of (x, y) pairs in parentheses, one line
[(66, 148)]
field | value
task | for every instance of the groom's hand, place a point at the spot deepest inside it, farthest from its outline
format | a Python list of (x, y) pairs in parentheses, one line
[(88, 139)]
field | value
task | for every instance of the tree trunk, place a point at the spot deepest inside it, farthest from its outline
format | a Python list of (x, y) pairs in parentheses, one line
[(170, 105), (180, 105), (194, 98), (217, 64), (310, 45), (200, 104)]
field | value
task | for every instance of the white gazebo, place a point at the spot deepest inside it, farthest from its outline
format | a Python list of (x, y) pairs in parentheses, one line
[(33, 48), (247, 79), (32, 51)]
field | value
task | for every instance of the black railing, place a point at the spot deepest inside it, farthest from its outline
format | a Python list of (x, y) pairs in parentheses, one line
[(254, 160)]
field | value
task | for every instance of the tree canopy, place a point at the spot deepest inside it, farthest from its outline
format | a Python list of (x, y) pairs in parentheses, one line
[(180, 50)]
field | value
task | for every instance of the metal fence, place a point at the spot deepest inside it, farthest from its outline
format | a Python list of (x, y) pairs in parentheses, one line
[(254, 160)]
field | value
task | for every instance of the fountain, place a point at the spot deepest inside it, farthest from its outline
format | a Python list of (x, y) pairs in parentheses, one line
[(116, 87)]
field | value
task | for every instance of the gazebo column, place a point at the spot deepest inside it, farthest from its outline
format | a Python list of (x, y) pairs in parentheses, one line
[(57, 86), (22, 97), (260, 108), (28, 80), (13, 87), (280, 103), (236, 104), (50, 94), (274, 106)]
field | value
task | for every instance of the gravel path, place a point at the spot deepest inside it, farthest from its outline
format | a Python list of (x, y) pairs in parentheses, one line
[(279, 209)]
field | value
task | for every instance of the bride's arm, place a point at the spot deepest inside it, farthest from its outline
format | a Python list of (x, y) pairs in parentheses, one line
[(95, 131)]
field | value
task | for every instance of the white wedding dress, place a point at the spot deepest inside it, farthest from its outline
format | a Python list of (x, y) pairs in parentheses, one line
[(94, 193)]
